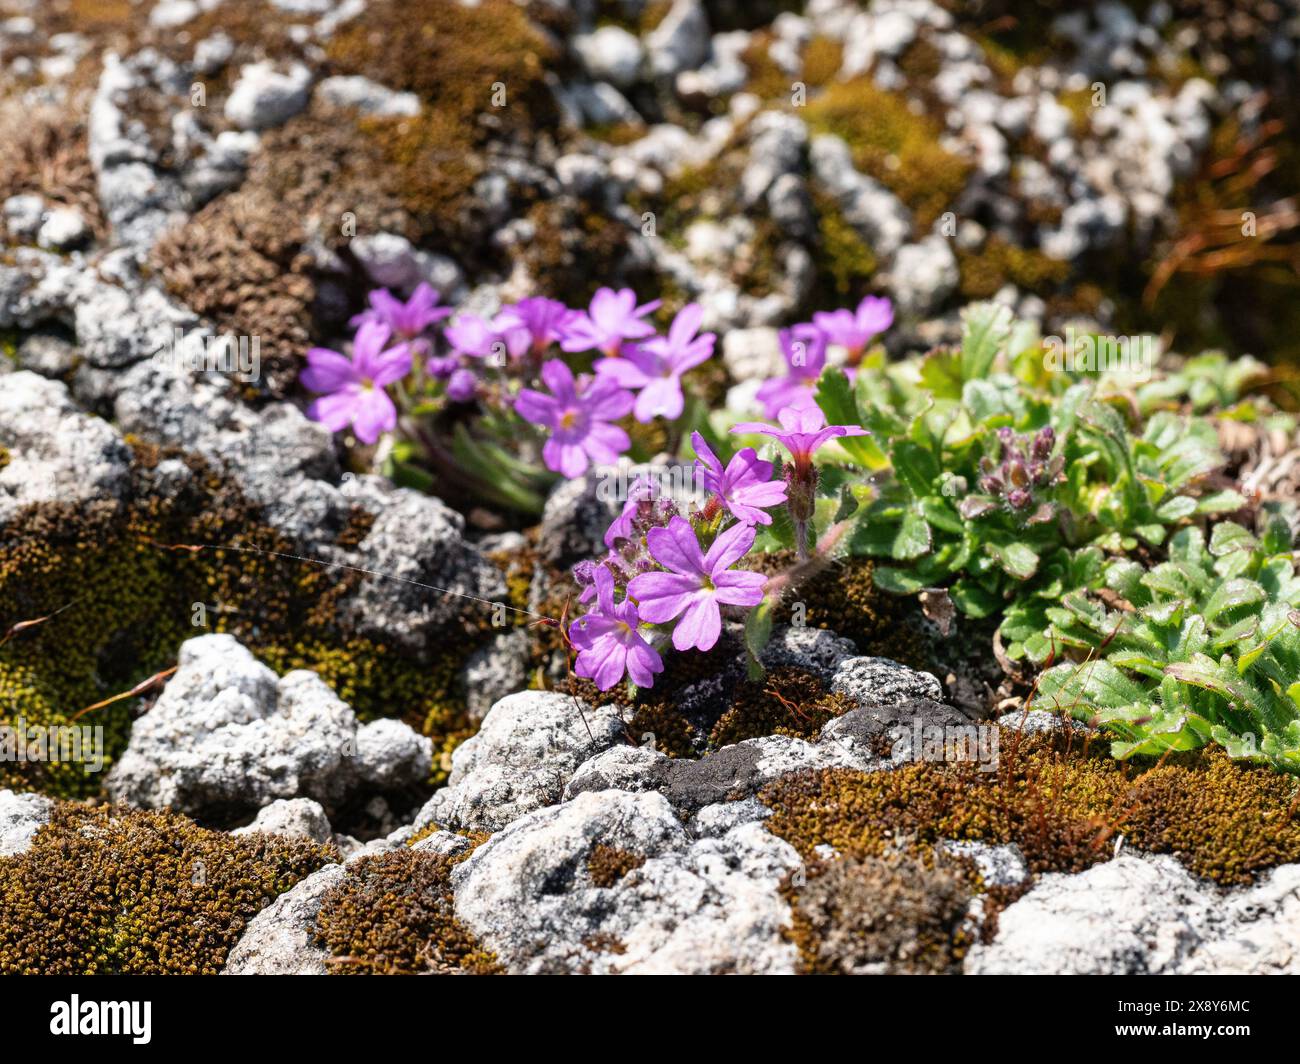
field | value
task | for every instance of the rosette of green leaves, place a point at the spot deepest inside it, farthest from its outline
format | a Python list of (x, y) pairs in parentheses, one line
[(1204, 647), (935, 431)]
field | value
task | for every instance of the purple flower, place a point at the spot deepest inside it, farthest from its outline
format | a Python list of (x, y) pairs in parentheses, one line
[(533, 324), (581, 433), (461, 385), (855, 329), (643, 489), (745, 486), (612, 318), (803, 430), (696, 583), (609, 642), (407, 320), (656, 366), (354, 387), (471, 335), (804, 347)]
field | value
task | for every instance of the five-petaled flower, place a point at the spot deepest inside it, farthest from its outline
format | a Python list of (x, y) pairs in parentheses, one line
[(655, 366), (612, 318), (745, 487), (532, 324), (609, 641), (854, 330), (697, 583), (579, 421), (804, 348), (408, 320), (354, 388), (803, 430)]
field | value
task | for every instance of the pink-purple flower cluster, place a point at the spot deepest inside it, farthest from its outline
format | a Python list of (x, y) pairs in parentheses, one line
[(667, 576), (805, 347), (636, 372)]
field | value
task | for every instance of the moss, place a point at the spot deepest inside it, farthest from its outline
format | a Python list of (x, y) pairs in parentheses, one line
[(1063, 805), (394, 913), (453, 57), (46, 154), (608, 864), (785, 702), (845, 262), (894, 144), (986, 270), (117, 890), (891, 915), (127, 603), (822, 59)]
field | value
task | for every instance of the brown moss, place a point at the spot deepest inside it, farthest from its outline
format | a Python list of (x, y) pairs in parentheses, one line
[(46, 155), (608, 864), (1062, 805), (117, 890), (394, 914), (845, 262), (892, 914), (453, 57), (786, 701)]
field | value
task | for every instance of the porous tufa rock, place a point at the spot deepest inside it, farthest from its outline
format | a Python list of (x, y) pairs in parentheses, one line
[(280, 940), (292, 817), (227, 735), (21, 817), (520, 760), (701, 906)]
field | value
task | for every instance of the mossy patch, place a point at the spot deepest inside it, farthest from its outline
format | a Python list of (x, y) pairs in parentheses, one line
[(893, 143), (394, 914), (985, 270), (893, 914), (1062, 804), (608, 864), (117, 890), (845, 262), (121, 594)]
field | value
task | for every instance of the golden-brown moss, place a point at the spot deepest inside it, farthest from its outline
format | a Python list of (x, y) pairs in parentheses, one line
[(117, 890), (394, 913), (608, 864), (984, 271), (892, 914), (130, 593), (1063, 806), (785, 702), (845, 262)]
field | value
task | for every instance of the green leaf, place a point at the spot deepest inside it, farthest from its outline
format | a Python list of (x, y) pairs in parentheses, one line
[(835, 397), (1229, 536), (758, 630), (1017, 559), (1091, 685), (985, 330), (897, 581)]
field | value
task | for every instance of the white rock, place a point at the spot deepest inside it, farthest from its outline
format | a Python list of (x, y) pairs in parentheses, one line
[(610, 54), (296, 818), (368, 97), (21, 817), (280, 939), (264, 97), (63, 228)]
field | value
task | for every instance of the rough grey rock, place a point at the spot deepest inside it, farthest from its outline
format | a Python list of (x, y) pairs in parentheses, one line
[(923, 275), (867, 205), (1040, 722), (610, 54), (776, 150), (394, 262), (446, 843), (520, 760), (56, 453), (21, 816), (63, 228), (701, 906), (23, 215), (498, 669), (1142, 914), (368, 97), (278, 940), (681, 41), (298, 818), (264, 97), (998, 866), (227, 735)]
